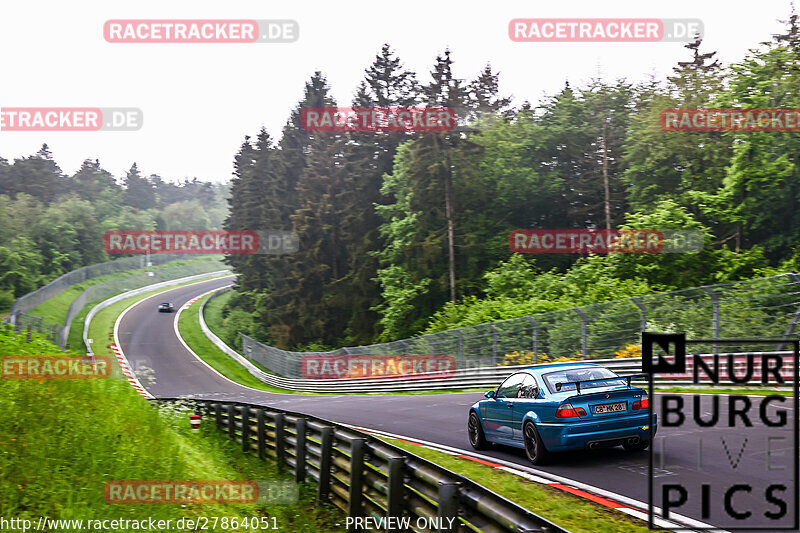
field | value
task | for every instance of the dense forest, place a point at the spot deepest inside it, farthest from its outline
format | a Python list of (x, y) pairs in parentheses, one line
[(51, 223), (404, 233)]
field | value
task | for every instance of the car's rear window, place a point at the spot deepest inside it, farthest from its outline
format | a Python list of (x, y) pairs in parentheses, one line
[(569, 375)]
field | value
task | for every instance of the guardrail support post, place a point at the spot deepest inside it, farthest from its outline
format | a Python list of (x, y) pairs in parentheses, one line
[(795, 318), (232, 421), (280, 440), (396, 498), (433, 345), (245, 429), (354, 502), (326, 450), (300, 451), (643, 311), (448, 506), (494, 344), (535, 339), (584, 332), (715, 302), (218, 415), (261, 433)]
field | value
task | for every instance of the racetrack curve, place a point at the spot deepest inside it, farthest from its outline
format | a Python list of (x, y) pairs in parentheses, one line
[(148, 339)]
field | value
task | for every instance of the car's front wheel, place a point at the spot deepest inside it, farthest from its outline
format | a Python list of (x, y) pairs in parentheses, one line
[(534, 447), (476, 437)]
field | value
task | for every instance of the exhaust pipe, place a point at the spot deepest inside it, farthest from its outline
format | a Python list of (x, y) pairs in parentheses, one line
[(593, 445), (633, 440)]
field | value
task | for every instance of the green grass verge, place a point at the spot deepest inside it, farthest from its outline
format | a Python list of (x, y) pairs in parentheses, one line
[(189, 328), (101, 330), (55, 309), (213, 313), (567, 510), (62, 440)]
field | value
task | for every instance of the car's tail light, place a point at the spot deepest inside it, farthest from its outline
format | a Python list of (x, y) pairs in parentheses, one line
[(565, 410), (644, 403)]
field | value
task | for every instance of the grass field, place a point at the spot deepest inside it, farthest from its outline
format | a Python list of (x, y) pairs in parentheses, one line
[(54, 310), (62, 440), (569, 511), (189, 328)]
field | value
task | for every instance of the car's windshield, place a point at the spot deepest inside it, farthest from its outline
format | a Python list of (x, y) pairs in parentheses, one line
[(571, 375), (165, 303)]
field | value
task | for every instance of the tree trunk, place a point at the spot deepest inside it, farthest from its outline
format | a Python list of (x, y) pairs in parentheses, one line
[(448, 209), (605, 177)]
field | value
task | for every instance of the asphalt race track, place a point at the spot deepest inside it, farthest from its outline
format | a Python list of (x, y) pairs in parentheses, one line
[(691, 455)]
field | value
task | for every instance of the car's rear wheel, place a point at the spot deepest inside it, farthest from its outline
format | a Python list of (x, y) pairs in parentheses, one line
[(534, 447), (638, 447), (475, 430)]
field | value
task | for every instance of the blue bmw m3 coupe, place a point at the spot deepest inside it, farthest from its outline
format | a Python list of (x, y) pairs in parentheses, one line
[(559, 407)]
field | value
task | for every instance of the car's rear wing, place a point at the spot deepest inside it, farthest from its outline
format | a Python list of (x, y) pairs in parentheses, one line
[(578, 383)]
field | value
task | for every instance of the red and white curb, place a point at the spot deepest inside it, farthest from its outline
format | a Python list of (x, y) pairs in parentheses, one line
[(639, 511), (126, 369), (193, 300)]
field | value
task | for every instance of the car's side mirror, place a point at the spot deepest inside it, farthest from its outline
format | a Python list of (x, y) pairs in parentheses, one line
[(489, 394)]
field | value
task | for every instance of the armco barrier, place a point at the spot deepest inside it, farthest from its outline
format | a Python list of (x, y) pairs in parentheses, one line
[(134, 292), (469, 378), (103, 290), (42, 294), (752, 308), (365, 476)]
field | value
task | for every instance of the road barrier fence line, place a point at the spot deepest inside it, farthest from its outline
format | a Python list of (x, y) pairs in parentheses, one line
[(363, 475), (601, 331), (465, 378), (134, 292), (59, 333)]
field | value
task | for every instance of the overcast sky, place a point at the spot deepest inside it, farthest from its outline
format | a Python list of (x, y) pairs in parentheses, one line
[(200, 100)]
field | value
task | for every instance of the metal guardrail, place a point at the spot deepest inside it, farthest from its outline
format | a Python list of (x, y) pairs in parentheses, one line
[(463, 378), (749, 308), (42, 294), (59, 333), (114, 286), (365, 476), (147, 288)]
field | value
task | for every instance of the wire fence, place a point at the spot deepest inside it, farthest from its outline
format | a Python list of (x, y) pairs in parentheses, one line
[(59, 333), (109, 288), (32, 299), (754, 308), (365, 476)]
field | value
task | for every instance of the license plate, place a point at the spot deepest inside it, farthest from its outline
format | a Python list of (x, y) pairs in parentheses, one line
[(610, 408)]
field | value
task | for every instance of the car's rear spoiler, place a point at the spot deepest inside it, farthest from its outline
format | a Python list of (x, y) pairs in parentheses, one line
[(578, 383)]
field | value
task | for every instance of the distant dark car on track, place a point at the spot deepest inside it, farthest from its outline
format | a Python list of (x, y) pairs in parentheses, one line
[(165, 307), (560, 407)]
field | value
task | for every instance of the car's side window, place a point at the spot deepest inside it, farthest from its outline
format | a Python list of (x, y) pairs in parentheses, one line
[(511, 386), (529, 388)]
